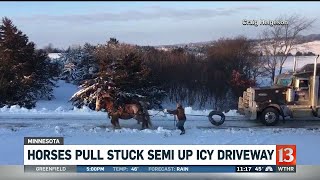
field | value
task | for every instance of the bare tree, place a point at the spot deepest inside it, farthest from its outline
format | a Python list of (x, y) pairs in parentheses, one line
[(278, 40)]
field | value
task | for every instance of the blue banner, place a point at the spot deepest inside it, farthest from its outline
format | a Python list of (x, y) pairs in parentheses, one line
[(155, 169), (181, 169)]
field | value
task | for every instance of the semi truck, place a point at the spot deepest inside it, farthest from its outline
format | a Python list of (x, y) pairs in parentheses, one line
[(294, 95)]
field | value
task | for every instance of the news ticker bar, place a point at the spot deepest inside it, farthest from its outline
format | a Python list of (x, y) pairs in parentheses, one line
[(160, 169)]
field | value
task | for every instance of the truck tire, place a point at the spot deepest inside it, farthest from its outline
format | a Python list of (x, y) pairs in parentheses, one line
[(270, 116), (214, 122)]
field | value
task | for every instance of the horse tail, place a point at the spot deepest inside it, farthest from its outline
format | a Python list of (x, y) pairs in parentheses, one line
[(146, 113)]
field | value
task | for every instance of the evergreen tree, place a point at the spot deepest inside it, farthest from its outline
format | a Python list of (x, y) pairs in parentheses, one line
[(122, 73), (88, 65), (25, 74), (78, 64)]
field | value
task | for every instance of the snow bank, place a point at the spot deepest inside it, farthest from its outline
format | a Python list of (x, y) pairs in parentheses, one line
[(189, 110), (16, 109)]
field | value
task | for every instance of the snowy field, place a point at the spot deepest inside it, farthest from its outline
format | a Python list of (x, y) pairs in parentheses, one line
[(83, 126)]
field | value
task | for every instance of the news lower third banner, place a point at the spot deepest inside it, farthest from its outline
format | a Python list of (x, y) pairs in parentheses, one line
[(49, 154)]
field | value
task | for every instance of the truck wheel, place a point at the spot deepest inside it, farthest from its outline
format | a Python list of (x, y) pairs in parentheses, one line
[(215, 122), (270, 116)]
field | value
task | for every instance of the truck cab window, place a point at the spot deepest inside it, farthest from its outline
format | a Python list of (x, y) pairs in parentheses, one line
[(284, 82), (303, 84)]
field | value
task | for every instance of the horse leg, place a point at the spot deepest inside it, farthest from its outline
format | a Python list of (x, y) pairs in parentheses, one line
[(113, 122), (144, 123), (116, 120), (117, 124), (138, 120), (145, 117), (136, 117)]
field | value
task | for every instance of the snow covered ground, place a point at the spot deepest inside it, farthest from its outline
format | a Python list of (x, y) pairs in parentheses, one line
[(83, 126), (313, 46)]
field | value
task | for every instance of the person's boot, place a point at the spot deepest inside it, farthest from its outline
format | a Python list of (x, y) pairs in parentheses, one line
[(183, 132)]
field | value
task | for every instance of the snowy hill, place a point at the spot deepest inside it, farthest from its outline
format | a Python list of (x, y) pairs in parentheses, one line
[(313, 46), (62, 95), (310, 45)]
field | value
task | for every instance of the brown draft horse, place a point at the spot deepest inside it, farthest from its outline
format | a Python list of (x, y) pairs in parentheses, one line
[(136, 111)]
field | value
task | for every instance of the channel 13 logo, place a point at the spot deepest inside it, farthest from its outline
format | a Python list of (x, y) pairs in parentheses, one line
[(286, 155)]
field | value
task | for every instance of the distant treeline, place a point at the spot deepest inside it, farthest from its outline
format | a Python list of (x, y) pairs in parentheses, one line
[(229, 65)]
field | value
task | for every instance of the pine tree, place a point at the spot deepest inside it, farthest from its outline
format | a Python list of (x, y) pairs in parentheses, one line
[(122, 72), (25, 74), (78, 64), (88, 65)]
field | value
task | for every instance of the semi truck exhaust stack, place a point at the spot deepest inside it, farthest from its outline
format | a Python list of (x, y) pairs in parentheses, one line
[(294, 64), (315, 84)]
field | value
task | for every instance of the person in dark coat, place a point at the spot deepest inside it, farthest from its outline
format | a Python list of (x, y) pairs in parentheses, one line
[(181, 116)]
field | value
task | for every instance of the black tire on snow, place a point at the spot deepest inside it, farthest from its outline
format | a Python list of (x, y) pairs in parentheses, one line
[(219, 113), (273, 112)]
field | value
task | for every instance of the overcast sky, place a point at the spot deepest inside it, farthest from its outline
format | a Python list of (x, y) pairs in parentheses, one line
[(146, 23)]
